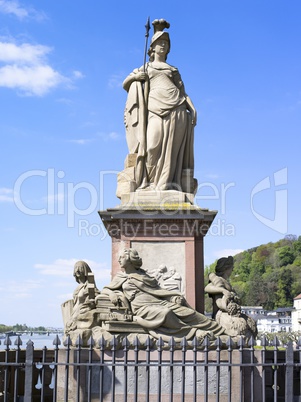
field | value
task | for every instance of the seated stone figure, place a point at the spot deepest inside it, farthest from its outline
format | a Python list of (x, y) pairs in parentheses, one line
[(162, 313), (226, 303), (82, 312)]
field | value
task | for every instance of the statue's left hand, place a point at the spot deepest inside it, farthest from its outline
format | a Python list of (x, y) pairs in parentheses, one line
[(141, 76)]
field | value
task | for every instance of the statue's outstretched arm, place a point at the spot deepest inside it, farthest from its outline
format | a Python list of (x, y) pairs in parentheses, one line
[(215, 290)]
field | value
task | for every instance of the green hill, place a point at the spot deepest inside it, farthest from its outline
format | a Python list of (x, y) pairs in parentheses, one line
[(268, 275)]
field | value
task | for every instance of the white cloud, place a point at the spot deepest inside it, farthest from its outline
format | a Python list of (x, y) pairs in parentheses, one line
[(115, 81), (30, 80), (14, 8), (78, 74), (212, 176), (24, 53), (20, 290), (65, 296), (112, 136), (25, 68), (54, 198), (227, 251), (60, 267), (81, 141), (64, 267), (6, 195), (65, 101)]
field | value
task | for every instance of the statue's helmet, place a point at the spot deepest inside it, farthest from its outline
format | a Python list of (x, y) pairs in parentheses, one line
[(159, 26)]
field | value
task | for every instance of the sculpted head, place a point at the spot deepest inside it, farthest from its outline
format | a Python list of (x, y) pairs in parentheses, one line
[(130, 258), (160, 42), (224, 266), (81, 270), (172, 270), (162, 268)]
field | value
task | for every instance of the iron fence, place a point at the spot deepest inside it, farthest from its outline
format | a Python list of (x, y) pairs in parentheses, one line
[(136, 372)]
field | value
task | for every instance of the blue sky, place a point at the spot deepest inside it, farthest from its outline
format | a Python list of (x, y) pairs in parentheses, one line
[(63, 141)]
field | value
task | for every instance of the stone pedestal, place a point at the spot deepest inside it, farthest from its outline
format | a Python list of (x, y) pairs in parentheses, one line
[(165, 231), (215, 380)]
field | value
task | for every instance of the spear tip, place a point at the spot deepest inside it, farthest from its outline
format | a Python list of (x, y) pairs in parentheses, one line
[(147, 27)]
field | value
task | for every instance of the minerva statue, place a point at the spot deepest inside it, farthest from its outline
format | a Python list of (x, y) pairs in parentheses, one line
[(160, 119)]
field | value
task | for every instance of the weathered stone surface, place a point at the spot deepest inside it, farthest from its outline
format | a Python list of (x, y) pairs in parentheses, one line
[(130, 161), (133, 303), (160, 312), (188, 183), (170, 254), (160, 119), (169, 233), (128, 174), (226, 303), (125, 187), (155, 198)]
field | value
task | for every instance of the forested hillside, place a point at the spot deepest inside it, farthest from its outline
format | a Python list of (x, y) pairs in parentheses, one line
[(268, 275)]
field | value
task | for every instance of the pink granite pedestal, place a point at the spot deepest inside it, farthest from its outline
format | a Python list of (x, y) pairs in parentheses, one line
[(170, 233)]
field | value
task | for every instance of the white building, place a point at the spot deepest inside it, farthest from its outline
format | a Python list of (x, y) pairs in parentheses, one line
[(279, 320), (296, 314)]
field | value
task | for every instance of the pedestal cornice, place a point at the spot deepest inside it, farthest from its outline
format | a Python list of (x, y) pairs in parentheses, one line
[(152, 221)]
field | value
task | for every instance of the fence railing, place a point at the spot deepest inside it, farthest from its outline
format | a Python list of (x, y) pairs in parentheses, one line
[(147, 372)]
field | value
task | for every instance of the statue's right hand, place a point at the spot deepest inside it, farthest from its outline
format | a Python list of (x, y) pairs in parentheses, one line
[(141, 76)]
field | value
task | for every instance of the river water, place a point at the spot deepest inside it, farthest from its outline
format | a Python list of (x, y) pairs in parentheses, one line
[(39, 341)]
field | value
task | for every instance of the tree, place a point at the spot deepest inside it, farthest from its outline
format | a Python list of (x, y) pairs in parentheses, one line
[(286, 255), (290, 237), (284, 296), (297, 246), (255, 291), (269, 274)]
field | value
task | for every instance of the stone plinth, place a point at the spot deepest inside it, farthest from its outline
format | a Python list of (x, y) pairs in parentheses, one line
[(156, 199), (169, 233)]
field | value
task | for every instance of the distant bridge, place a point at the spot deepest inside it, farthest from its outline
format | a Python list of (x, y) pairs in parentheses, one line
[(46, 332)]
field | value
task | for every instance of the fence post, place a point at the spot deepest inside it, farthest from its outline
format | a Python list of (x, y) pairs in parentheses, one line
[(28, 372), (289, 373)]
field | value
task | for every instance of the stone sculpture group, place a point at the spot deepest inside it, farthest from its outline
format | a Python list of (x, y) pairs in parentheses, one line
[(149, 301), (134, 304)]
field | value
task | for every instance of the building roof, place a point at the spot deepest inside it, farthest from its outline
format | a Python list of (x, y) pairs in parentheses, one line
[(297, 297), (284, 309)]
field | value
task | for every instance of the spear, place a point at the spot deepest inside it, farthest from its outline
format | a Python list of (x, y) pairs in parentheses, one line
[(147, 28)]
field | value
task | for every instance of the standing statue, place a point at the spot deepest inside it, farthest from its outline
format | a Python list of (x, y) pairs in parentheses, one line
[(226, 303), (162, 313), (160, 119)]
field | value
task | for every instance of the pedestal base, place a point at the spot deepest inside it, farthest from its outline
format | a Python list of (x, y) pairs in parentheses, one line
[(155, 198), (164, 234)]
